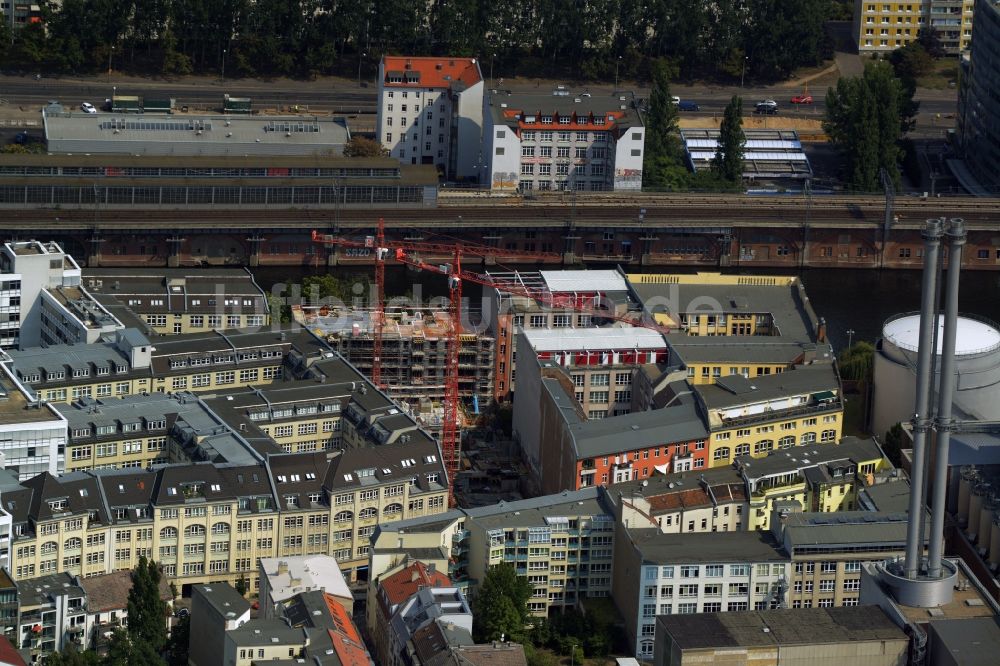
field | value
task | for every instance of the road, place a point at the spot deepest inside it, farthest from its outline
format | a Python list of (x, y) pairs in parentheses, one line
[(343, 96)]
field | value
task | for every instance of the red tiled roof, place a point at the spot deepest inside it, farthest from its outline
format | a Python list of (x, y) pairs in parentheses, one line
[(577, 122), (346, 640), (695, 497), (433, 72), (403, 584), (8, 655)]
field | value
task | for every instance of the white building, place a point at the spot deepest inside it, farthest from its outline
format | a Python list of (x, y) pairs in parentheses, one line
[(32, 433), (42, 300), (708, 572), (562, 142), (430, 111), (281, 578), (426, 606)]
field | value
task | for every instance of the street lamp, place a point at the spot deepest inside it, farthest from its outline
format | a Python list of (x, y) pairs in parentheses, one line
[(224, 51), (850, 337), (361, 57), (111, 51), (492, 58), (744, 71), (617, 63)]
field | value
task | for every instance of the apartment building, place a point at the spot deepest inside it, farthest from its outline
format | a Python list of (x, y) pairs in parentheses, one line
[(825, 478), (391, 589), (562, 544), (509, 314), (283, 578), (106, 599), (714, 500), (42, 300), (885, 26), (978, 108), (744, 416), (176, 301), (32, 433), (436, 540), (430, 111), (205, 522), (598, 363), (562, 141), (425, 607), (733, 324), (659, 574), (828, 552), (50, 614), (129, 363), (864, 635)]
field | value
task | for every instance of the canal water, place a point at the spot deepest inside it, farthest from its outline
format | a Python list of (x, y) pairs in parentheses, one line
[(858, 300)]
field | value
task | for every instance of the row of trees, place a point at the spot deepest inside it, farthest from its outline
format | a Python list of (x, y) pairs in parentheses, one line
[(765, 39)]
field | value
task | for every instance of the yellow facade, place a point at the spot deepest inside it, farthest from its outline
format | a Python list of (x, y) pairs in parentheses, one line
[(186, 322), (766, 435), (886, 26), (708, 373)]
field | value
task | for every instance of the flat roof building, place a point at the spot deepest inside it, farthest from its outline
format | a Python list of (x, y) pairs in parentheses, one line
[(782, 637), (194, 135), (769, 155)]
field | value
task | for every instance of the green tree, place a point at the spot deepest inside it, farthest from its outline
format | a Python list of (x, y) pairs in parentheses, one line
[(865, 118), (931, 41), (855, 363), (728, 161), (177, 644), (241, 586), (70, 657), (147, 612), (662, 141), (501, 605), (911, 61), (895, 442), (360, 146)]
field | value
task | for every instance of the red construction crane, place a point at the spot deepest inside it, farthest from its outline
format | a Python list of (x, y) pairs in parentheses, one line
[(450, 439)]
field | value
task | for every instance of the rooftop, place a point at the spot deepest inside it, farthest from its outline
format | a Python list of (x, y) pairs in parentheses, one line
[(287, 576), (539, 511), (584, 281), (403, 584), (784, 461), (16, 408), (799, 626), (593, 339), (34, 592), (845, 529), (153, 134), (968, 642), (768, 153), (110, 591), (685, 490), (262, 632), (737, 390), (656, 547), (973, 335), (516, 109), (430, 72), (226, 601)]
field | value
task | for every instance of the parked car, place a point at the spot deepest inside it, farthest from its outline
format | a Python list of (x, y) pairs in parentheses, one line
[(87, 107), (684, 105), (675, 99), (802, 99)]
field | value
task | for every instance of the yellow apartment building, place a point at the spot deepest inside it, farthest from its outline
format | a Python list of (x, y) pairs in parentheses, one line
[(886, 26)]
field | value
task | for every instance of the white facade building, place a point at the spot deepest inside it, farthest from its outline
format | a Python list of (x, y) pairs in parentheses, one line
[(562, 142), (42, 300), (281, 578), (430, 111), (32, 433)]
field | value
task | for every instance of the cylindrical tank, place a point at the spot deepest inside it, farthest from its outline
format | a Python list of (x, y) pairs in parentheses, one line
[(977, 358), (990, 504), (976, 499), (970, 475), (994, 554)]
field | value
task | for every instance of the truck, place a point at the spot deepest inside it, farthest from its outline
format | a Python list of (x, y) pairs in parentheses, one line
[(235, 104)]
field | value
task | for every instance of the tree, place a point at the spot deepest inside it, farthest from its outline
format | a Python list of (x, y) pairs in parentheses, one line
[(662, 142), (360, 146), (501, 605), (911, 61), (177, 645), (70, 657), (855, 363), (728, 161), (895, 441), (865, 118), (147, 612), (241, 586), (931, 41)]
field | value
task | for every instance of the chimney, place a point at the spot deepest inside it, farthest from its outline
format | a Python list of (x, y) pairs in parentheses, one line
[(821, 330)]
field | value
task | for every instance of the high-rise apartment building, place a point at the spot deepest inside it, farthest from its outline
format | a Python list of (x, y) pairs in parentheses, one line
[(885, 26)]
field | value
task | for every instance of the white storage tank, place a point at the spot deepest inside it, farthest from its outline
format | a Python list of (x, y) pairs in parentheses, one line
[(977, 361)]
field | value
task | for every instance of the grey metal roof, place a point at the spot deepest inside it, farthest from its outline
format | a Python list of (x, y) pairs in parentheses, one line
[(734, 390), (151, 134), (266, 632), (224, 598), (893, 496), (656, 547), (802, 457), (533, 512), (786, 626), (679, 422), (973, 641), (845, 529)]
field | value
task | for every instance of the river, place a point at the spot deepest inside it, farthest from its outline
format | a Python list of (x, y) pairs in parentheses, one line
[(858, 300)]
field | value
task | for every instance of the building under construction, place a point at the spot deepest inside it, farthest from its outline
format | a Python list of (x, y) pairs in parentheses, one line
[(414, 351)]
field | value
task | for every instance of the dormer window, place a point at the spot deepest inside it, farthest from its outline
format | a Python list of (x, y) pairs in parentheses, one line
[(546, 120), (598, 120), (564, 120)]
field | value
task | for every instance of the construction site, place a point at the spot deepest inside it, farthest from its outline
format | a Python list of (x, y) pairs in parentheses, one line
[(414, 354)]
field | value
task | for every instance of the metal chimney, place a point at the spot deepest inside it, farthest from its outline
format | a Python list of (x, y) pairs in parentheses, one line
[(921, 410), (946, 392)]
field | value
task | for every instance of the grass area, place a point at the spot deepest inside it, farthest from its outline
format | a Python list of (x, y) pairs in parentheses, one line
[(943, 77), (854, 415)]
